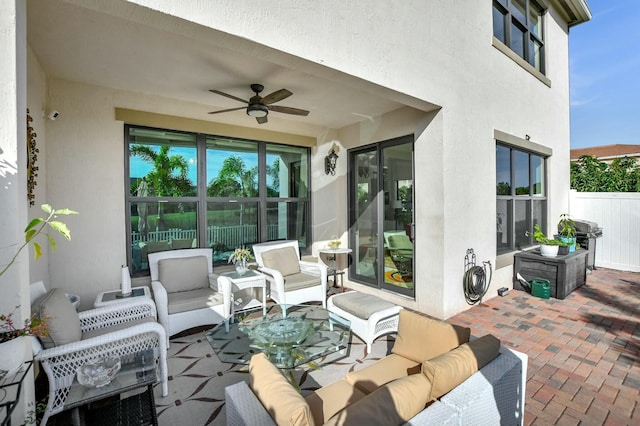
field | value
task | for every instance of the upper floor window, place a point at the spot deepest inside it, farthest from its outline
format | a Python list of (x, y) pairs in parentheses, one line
[(518, 24), (521, 200)]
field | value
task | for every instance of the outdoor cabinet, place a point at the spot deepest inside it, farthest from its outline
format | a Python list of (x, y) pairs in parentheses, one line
[(565, 273)]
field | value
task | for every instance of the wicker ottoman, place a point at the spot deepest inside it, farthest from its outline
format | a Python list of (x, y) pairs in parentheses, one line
[(370, 316)]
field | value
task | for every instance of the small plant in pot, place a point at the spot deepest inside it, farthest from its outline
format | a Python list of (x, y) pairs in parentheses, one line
[(567, 231), (548, 246)]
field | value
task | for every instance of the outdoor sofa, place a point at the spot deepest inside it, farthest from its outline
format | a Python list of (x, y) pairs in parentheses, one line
[(431, 377)]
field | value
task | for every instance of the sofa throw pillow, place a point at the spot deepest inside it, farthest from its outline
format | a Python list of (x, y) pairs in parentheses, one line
[(283, 402), (183, 273), (421, 338), (448, 370), (392, 404), (61, 317), (283, 259)]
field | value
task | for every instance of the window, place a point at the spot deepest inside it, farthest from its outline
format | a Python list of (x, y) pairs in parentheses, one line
[(521, 197), (193, 190), (518, 24)]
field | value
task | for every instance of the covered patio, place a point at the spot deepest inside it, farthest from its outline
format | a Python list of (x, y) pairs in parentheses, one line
[(86, 70), (584, 356)]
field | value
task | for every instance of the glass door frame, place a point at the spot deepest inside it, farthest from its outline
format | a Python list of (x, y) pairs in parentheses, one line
[(377, 217)]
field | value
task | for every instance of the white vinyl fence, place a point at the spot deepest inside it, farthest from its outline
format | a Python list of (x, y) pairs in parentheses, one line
[(229, 236), (618, 214)]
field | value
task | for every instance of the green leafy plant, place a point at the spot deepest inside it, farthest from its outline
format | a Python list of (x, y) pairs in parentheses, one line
[(566, 226), (240, 254), (37, 227), (588, 174), (33, 326), (541, 238)]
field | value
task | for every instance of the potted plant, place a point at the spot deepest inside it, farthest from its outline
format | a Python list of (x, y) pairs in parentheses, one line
[(239, 258), (10, 343), (10, 333), (567, 231), (548, 246)]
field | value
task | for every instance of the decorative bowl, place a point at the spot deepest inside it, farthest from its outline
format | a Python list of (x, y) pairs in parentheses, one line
[(98, 373)]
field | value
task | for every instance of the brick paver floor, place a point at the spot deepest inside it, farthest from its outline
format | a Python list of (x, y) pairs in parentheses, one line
[(584, 351)]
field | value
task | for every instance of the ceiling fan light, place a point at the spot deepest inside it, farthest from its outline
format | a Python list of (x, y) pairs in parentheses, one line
[(257, 110)]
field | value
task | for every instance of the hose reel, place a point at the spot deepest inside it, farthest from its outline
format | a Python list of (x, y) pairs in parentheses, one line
[(475, 283)]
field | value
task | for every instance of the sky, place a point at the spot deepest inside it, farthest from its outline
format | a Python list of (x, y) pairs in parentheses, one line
[(604, 57)]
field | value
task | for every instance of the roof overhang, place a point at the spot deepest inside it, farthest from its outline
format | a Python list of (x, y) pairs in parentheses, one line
[(574, 11)]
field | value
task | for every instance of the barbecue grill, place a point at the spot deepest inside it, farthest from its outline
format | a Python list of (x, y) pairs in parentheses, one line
[(586, 234)]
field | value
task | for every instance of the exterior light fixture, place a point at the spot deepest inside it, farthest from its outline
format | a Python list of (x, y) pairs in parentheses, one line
[(257, 110), (331, 160)]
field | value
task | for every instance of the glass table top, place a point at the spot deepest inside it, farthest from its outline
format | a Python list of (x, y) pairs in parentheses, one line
[(290, 335), (137, 370)]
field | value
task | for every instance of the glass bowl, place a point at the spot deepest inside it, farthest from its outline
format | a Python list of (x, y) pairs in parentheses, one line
[(98, 373)]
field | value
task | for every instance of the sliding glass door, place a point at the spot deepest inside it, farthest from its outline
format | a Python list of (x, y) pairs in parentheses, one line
[(381, 227)]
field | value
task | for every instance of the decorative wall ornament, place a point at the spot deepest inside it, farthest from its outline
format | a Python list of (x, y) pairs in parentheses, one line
[(331, 160), (32, 157)]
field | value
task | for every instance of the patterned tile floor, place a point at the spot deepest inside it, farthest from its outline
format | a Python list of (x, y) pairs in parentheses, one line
[(584, 351)]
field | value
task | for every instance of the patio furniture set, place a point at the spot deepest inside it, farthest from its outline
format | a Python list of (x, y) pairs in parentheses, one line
[(135, 333), (434, 375)]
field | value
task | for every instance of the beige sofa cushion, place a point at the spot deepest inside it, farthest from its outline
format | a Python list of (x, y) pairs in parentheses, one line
[(392, 404), (361, 305), (283, 402), (300, 280), (381, 372), (61, 317), (184, 273), (328, 400), (421, 338), (448, 370), (283, 259), (201, 298)]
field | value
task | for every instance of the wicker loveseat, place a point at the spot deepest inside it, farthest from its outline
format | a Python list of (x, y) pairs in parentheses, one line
[(121, 330), (433, 375)]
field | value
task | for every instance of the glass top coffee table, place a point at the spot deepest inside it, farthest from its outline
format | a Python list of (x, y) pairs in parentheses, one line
[(290, 335)]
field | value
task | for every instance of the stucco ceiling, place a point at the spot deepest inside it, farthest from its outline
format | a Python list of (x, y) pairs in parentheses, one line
[(126, 47)]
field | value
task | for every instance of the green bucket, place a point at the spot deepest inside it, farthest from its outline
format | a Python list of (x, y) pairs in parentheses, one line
[(541, 288)]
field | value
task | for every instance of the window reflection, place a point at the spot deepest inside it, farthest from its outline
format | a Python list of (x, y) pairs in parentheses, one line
[(232, 168)]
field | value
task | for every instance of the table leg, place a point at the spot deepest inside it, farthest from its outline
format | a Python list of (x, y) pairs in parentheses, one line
[(264, 301)]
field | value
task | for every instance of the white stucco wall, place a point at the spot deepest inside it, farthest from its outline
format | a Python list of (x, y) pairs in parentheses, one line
[(14, 283), (428, 50), (441, 52)]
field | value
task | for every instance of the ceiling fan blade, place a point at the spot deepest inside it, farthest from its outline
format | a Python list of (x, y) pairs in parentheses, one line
[(217, 92), (276, 96), (226, 110), (261, 120), (288, 110)]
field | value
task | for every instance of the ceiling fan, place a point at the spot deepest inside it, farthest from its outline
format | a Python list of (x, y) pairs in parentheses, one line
[(259, 106)]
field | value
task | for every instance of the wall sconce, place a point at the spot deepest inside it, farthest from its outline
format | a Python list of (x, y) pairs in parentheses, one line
[(331, 160)]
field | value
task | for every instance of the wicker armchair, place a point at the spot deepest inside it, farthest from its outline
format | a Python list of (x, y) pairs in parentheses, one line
[(186, 291), (291, 280), (105, 333)]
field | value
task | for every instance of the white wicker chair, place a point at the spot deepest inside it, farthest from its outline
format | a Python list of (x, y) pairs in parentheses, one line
[(281, 289), (60, 363), (214, 304)]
